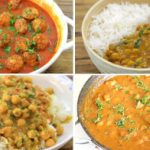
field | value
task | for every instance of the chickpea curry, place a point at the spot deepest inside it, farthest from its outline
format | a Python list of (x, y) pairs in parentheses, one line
[(117, 113), (26, 122), (132, 51), (28, 36)]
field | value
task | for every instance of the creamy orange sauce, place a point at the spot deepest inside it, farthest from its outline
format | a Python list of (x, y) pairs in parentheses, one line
[(117, 113)]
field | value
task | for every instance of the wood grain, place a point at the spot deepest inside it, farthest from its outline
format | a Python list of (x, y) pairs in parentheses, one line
[(83, 62), (64, 63)]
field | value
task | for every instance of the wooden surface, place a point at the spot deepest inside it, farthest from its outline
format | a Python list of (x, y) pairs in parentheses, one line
[(83, 62), (64, 63)]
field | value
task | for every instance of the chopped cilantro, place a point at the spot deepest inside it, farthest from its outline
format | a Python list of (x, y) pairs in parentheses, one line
[(120, 123), (98, 118), (119, 108), (99, 105), (7, 49)]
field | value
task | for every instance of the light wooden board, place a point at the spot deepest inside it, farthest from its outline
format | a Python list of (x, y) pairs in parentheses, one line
[(64, 64), (83, 62)]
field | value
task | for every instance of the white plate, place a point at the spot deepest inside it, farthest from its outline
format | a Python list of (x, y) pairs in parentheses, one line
[(62, 86)]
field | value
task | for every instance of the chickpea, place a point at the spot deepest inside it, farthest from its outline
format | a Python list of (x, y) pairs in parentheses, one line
[(3, 108), (8, 82), (21, 122), (8, 122), (25, 113), (59, 129), (50, 143), (32, 107), (27, 79), (6, 97), (50, 91), (15, 99), (45, 135), (17, 112), (7, 131), (25, 103), (31, 134)]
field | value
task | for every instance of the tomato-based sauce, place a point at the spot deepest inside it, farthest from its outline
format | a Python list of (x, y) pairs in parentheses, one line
[(43, 55), (117, 113)]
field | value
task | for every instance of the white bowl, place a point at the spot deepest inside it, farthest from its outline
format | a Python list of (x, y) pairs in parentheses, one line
[(102, 64), (63, 88), (62, 27)]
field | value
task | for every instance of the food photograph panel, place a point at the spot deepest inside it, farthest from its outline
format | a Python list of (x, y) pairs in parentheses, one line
[(112, 112), (112, 36), (36, 36), (36, 112)]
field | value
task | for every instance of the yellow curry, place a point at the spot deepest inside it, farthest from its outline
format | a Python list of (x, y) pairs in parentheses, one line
[(117, 113), (25, 119), (132, 51)]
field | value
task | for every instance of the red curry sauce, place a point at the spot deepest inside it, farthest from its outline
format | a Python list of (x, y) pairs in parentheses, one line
[(44, 55)]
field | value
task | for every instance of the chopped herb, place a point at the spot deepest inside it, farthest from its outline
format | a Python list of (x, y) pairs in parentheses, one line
[(30, 27), (17, 49), (31, 95), (49, 31), (119, 108), (1, 124), (1, 66), (7, 49), (141, 32), (12, 21), (120, 123), (36, 68), (11, 28), (137, 43), (98, 118), (144, 100), (118, 87), (141, 84), (1, 31), (126, 91), (99, 105)]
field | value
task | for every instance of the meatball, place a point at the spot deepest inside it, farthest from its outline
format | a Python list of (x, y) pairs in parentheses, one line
[(21, 26), (41, 41), (21, 45), (30, 58), (14, 63), (39, 25), (30, 13), (5, 18), (4, 39), (13, 4)]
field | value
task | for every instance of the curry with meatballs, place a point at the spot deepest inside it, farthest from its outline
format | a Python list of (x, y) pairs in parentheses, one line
[(28, 36)]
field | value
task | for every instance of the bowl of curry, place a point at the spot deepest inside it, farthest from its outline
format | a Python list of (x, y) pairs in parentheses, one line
[(33, 34), (129, 54), (115, 111), (34, 112)]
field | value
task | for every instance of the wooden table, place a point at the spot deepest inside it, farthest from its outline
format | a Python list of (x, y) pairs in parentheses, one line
[(64, 64), (83, 62)]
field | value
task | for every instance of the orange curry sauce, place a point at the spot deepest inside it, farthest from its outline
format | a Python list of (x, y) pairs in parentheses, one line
[(51, 32), (117, 113)]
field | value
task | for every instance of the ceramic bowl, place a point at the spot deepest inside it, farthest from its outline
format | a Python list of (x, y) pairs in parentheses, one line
[(102, 64)]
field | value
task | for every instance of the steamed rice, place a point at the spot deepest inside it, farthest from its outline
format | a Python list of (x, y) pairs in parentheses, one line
[(115, 22)]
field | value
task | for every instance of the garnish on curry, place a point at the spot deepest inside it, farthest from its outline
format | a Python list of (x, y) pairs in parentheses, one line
[(28, 36), (132, 51), (27, 121), (117, 113)]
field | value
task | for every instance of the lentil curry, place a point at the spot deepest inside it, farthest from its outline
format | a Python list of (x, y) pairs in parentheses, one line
[(117, 113), (26, 122), (28, 36), (132, 51)]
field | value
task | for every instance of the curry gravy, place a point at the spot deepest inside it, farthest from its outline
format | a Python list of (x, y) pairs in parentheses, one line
[(117, 113)]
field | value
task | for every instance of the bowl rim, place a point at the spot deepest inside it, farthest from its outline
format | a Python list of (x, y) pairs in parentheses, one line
[(100, 58), (63, 41), (91, 81)]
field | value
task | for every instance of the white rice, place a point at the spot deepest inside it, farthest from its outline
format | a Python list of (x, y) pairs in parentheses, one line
[(115, 22)]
